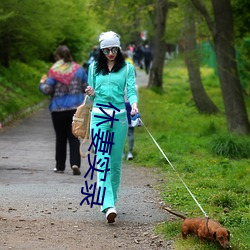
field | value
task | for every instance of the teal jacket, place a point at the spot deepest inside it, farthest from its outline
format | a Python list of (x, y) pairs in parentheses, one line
[(111, 87)]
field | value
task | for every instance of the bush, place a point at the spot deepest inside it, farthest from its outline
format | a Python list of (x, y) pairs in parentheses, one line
[(231, 146), (19, 88), (224, 200)]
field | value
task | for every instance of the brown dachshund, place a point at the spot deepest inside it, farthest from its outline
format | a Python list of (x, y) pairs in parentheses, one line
[(204, 229)]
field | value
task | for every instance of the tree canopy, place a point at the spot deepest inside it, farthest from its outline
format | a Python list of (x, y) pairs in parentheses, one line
[(27, 32), (32, 30)]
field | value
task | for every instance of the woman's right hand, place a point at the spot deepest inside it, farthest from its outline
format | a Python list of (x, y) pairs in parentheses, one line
[(90, 91), (134, 109)]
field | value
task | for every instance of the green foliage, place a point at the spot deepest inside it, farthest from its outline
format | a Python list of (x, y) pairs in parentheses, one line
[(29, 33), (176, 18), (224, 200), (243, 59), (241, 17), (19, 87), (128, 18), (219, 183), (175, 25)]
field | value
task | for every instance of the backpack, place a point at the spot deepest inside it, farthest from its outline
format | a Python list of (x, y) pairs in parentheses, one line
[(81, 123)]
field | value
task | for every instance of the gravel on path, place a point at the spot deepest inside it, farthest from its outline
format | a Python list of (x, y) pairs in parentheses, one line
[(40, 209)]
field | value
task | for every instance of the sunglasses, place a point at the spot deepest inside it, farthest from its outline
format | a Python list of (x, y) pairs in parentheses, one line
[(106, 51)]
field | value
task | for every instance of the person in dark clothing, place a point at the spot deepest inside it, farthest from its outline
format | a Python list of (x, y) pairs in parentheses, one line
[(147, 54), (92, 57), (139, 56)]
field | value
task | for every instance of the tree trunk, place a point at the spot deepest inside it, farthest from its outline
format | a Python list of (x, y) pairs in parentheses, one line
[(201, 99), (159, 46), (223, 38), (235, 109)]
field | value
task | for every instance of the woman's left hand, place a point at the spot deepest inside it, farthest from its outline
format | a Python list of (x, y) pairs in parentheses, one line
[(134, 109)]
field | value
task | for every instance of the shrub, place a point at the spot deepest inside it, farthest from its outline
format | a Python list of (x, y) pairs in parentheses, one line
[(231, 146)]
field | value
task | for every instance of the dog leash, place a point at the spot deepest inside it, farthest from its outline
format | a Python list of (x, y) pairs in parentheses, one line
[(174, 170)]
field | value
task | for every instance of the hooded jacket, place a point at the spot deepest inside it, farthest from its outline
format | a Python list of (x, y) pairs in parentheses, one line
[(111, 87)]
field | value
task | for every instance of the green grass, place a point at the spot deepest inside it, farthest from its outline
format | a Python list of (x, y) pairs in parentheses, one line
[(214, 164), (19, 88)]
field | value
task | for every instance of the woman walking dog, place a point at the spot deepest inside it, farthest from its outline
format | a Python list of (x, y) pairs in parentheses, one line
[(108, 78)]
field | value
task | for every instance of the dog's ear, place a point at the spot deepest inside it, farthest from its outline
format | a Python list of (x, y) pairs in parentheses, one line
[(228, 237), (214, 235)]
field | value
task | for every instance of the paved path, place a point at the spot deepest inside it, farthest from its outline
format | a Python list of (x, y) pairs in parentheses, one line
[(26, 163), (141, 78), (31, 191)]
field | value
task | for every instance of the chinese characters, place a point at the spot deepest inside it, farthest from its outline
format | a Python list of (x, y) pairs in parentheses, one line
[(102, 142)]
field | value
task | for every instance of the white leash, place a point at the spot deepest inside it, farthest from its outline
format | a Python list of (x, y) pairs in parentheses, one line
[(174, 170)]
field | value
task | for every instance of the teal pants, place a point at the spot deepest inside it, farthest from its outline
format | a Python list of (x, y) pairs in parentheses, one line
[(113, 176)]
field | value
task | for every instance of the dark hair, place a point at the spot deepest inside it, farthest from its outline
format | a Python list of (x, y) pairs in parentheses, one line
[(64, 53), (102, 67)]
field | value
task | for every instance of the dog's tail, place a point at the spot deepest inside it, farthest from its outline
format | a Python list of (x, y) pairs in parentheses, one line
[(175, 213)]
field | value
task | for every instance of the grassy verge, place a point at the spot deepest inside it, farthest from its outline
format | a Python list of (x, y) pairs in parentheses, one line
[(213, 164), (19, 88)]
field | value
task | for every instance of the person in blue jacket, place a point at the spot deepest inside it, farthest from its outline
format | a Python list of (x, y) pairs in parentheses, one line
[(108, 77), (65, 83)]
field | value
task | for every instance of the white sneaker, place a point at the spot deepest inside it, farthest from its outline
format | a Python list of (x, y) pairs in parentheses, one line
[(129, 156), (58, 171), (111, 214)]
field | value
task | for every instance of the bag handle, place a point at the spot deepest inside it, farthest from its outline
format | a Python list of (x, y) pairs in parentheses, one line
[(85, 99), (85, 139)]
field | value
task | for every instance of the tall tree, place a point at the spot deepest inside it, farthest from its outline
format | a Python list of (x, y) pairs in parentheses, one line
[(223, 38), (201, 99), (159, 44)]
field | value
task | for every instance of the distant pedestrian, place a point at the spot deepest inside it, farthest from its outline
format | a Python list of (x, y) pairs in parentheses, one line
[(93, 55), (65, 84), (138, 56), (128, 108), (147, 54)]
